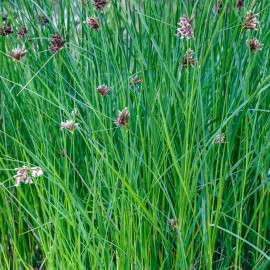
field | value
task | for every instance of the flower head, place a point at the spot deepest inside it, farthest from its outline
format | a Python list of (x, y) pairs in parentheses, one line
[(123, 117), (75, 113), (23, 175), (188, 59), (57, 43), (254, 45), (17, 53), (135, 81), (250, 21), (239, 4), (23, 32), (69, 125), (93, 23), (173, 222), (5, 31), (36, 172), (43, 20), (219, 139), (185, 29), (103, 90), (99, 4)]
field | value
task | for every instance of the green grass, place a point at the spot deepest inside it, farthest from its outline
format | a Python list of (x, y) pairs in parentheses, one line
[(108, 193)]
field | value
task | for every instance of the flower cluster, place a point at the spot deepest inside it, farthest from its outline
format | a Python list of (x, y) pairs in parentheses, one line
[(43, 20), (239, 4), (99, 4), (103, 90), (185, 29), (254, 45), (57, 43), (93, 23), (250, 21), (135, 81), (23, 32), (219, 139), (5, 30), (188, 59), (23, 175), (70, 124), (17, 53), (123, 117)]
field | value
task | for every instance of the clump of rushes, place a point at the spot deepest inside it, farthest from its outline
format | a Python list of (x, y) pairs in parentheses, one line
[(5, 31), (17, 53), (22, 175), (185, 29), (123, 117), (103, 90), (43, 20), (188, 59), (93, 23), (57, 43), (23, 32), (240, 4), (254, 45), (250, 21), (135, 81), (100, 4), (219, 139)]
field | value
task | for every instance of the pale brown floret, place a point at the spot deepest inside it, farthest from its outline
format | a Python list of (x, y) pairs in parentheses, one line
[(99, 4), (123, 117), (69, 125), (103, 90), (250, 21), (135, 81), (75, 113), (23, 175), (239, 4), (188, 59), (185, 29), (43, 20), (254, 45), (219, 139), (57, 43), (23, 32), (17, 53), (93, 23)]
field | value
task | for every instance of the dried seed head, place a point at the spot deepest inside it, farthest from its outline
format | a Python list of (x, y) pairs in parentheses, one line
[(188, 59), (75, 113), (57, 43), (43, 20), (5, 31), (36, 172), (23, 32), (254, 45), (185, 29), (173, 222), (239, 4), (220, 138), (123, 118), (93, 23), (250, 21), (17, 53), (69, 125), (135, 81), (103, 90), (99, 4)]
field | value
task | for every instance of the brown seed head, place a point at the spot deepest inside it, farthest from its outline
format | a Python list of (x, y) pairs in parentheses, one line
[(5, 31), (17, 53), (240, 4), (185, 29), (250, 21), (43, 19), (123, 118), (254, 45), (103, 90), (93, 23), (188, 59), (69, 125), (99, 4), (219, 139), (135, 81), (23, 32), (57, 43)]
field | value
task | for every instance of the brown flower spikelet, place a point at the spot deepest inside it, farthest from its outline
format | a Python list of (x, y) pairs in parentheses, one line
[(190, 60), (135, 81), (254, 45), (240, 4), (103, 90), (123, 118), (23, 32), (57, 43), (17, 53), (100, 4), (185, 29), (5, 31), (250, 21), (93, 23), (43, 20)]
